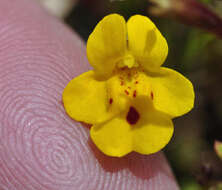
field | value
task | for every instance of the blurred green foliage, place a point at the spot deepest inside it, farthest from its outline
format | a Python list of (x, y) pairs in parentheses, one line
[(218, 148), (205, 1), (190, 185), (195, 45)]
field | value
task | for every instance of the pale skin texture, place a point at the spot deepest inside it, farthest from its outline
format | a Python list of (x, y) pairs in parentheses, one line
[(41, 148)]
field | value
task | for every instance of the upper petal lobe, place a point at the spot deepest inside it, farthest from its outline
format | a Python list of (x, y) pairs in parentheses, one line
[(146, 42), (107, 44)]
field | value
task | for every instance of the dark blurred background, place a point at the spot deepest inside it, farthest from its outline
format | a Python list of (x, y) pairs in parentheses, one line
[(198, 55)]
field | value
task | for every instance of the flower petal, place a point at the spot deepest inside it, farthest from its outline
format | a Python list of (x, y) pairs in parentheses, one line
[(146, 42), (153, 133), (173, 94), (107, 44), (113, 138), (85, 99)]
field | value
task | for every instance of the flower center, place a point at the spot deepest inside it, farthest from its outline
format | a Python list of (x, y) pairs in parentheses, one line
[(132, 116), (127, 61)]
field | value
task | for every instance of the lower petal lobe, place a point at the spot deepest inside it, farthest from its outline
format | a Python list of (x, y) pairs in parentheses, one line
[(85, 99), (113, 138), (173, 94), (153, 133)]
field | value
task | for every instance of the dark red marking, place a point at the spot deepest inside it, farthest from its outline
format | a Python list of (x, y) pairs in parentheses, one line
[(132, 116), (127, 93), (136, 82), (86, 125), (134, 93), (151, 94), (110, 101), (121, 83)]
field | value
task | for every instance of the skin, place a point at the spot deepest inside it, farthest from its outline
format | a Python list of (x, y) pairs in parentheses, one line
[(41, 148)]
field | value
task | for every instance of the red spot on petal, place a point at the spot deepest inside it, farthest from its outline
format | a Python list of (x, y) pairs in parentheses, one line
[(121, 83), (110, 101), (134, 93), (151, 94), (132, 116), (136, 82), (127, 93)]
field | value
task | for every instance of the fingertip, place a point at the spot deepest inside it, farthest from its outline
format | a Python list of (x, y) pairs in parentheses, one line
[(137, 171)]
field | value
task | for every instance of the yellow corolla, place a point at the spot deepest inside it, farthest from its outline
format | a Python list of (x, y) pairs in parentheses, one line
[(129, 99)]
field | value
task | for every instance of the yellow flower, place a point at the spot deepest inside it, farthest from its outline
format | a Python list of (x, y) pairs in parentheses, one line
[(128, 98)]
